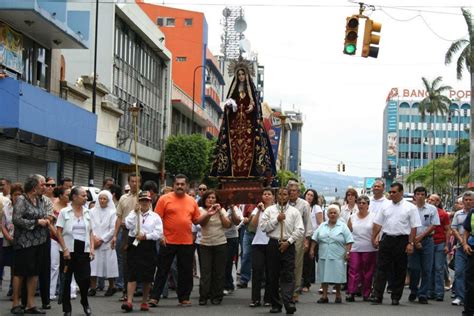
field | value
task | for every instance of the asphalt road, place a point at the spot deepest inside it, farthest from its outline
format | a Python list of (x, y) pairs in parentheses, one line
[(237, 304)]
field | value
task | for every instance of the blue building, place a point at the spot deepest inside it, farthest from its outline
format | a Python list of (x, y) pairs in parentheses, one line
[(410, 142), (40, 131)]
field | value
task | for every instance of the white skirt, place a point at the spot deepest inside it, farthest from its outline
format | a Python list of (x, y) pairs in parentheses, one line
[(105, 264)]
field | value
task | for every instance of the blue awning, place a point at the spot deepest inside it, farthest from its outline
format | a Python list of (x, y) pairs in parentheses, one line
[(34, 110), (112, 154)]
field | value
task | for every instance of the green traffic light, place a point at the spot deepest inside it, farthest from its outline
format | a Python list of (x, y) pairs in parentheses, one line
[(350, 49)]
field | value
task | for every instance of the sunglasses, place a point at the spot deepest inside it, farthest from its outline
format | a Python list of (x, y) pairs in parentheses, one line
[(202, 189), (50, 185)]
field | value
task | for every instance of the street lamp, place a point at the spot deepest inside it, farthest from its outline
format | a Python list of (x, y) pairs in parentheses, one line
[(208, 82), (432, 158), (459, 145)]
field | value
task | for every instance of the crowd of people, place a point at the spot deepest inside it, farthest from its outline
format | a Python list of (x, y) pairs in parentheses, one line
[(57, 238)]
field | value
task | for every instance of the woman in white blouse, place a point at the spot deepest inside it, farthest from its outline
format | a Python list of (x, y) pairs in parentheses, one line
[(105, 265), (145, 228), (74, 232)]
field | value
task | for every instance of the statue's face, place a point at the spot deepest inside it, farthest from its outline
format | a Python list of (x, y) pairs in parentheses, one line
[(241, 75)]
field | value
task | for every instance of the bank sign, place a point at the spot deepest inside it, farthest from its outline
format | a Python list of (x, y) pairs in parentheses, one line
[(421, 94)]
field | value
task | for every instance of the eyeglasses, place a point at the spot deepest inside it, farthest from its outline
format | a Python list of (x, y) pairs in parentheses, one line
[(202, 189), (50, 184)]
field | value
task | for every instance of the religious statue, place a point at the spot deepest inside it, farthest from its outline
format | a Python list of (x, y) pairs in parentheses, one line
[(243, 147)]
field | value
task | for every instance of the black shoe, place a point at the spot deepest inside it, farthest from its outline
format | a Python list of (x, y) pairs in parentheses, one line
[(10, 292), (338, 300), (412, 297), (17, 310), (350, 298), (422, 300), (87, 310), (395, 301), (439, 299), (255, 304), (375, 301), (242, 285), (67, 314), (323, 300), (275, 310), (202, 302), (46, 306), (34, 310), (366, 299), (216, 301), (290, 308), (92, 292)]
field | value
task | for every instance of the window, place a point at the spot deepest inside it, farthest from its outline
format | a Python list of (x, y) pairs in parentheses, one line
[(415, 155), (416, 140), (403, 140), (188, 22), (181, 59), (159, 21), (170, 22), (402, 154), (425, 155)]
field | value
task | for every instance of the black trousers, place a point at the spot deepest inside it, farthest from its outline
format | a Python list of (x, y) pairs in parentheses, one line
[(309, 274), (260, 273), (44, 276), (232, 251), (392, 261), (281, 273), (184, 254), (80, 267), (469, 294), (211, 285)]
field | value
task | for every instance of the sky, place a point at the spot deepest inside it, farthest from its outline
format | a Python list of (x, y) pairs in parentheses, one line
[(342, 97)]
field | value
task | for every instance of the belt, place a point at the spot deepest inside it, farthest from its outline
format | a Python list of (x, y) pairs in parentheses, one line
[(278, 239)]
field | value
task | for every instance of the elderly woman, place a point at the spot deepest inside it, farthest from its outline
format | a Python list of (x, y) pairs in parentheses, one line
[(105, 265), (74, 232), (334, 240), (363, 255), (213, 249)]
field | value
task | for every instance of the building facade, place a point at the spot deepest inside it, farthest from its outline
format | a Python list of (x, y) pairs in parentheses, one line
[(134, 68), (40, 131), (197, 79), (411, 142)]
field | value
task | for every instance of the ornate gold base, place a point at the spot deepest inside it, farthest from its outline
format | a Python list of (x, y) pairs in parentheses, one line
[(240, 191)]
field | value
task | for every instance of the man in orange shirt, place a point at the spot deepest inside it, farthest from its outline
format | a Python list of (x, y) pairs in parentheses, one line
[(178, 211)]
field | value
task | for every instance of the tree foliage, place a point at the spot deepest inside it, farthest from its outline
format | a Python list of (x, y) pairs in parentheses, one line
[(463, 163), (444, 175), (189, 155), (435, 102), (284, 175)]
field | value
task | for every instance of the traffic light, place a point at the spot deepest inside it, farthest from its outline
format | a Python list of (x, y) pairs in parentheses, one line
[(370, 39), (338, 167), (350, 41), (343, 167)]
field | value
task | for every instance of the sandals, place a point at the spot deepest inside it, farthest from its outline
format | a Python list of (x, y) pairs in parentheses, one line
[(144, 307), (186, 303), (127, 307), (153, 303)]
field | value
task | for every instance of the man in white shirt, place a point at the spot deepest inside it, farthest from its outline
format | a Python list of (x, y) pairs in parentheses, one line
[(284, 226), (378, 201), (302, 245), (421, 261), (397, 222)]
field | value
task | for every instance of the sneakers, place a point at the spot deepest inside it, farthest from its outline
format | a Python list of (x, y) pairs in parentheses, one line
[(228, 292), (457, 302)]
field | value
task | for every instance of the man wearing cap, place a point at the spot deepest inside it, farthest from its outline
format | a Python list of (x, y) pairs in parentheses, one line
[(126, 204), (178, 211)]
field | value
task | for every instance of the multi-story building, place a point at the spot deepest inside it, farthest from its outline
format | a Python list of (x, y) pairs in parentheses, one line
[(197, 79), (409, 141), (40, 132), (134, 67)]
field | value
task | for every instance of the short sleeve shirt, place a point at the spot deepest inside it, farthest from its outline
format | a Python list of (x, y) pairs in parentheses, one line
[(398, 219), (458, 219), (467, 225), (439, 233), (178, 214), (428, 216)]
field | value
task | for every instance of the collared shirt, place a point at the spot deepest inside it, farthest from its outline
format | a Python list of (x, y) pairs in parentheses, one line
[(428, 216), (233, 230), (458, 219), (66, 220), (7, 220), (293, 228), (346, 212), (150, 225), (332, 241), (398, 218), (126, 204), (260, 237), (25, 215), (305, 211), (376, 205)]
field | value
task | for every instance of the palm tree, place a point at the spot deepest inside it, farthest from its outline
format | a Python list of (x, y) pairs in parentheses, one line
[(465, 61), (435, 102)]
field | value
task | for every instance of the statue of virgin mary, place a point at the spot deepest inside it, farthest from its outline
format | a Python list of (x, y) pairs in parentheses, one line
[(243, 148)]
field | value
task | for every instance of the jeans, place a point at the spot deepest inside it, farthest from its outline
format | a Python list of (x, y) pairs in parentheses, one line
[(437, 280), (421, 265), (460, 264), (246, 264)]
